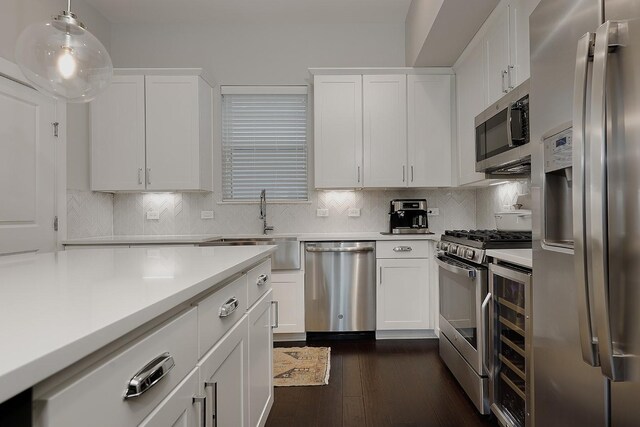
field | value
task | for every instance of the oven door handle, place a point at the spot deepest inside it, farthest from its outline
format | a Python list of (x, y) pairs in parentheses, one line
[(470, 273), (485, 327)]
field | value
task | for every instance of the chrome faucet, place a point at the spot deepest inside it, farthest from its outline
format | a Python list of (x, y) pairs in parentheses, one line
[(263, 212)]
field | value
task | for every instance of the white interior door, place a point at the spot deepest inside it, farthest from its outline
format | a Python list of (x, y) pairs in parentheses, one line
[(27, 169)]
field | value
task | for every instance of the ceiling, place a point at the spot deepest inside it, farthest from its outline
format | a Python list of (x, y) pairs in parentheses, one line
[(252, 11)]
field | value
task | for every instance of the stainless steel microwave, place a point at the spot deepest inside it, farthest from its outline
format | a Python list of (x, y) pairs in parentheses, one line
[(502, 135)]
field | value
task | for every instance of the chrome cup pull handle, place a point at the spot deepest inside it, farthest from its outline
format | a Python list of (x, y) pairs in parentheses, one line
[(228, 307), (149, 375), (262, 280), (402, 249)]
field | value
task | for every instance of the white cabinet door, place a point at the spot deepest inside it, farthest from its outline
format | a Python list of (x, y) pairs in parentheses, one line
[(118, 136), (172, 115), (179, 409), (260, 361), (385, 130), (471, 101), (27, 169), (429, 130), (338, 131), (403, 294), (497, 62), (224, 375), (519, 11), (288, 290)]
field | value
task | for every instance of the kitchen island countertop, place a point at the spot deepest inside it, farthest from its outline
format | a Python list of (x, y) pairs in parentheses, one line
[(57, 308)]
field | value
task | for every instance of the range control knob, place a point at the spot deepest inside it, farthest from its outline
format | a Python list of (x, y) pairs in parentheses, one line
[(453, 249), (469, 253)]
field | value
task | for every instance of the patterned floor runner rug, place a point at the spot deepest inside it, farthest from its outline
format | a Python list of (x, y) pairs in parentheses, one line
[(301, 366)]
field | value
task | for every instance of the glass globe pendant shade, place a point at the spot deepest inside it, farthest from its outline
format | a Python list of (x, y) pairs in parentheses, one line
[(62, 59)]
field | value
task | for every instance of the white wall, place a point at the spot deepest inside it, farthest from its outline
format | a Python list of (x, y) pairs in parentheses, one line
[(17, 15), (258, 54), (420, 19)]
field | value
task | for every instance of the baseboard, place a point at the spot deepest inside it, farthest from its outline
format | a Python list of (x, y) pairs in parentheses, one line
[(406, 334), (298, 336)]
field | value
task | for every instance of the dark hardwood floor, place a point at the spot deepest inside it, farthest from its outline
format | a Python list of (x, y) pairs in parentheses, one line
[(394, 383)]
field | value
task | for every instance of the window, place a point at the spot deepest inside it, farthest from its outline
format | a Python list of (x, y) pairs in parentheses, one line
[(264, 142)]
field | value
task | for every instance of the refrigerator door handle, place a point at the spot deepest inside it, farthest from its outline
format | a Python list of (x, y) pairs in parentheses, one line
[(606, 37), (588, 342)]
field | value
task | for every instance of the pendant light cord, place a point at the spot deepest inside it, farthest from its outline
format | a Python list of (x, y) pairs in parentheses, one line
[(68, 5)]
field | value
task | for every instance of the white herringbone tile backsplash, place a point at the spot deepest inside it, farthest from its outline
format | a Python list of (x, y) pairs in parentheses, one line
[(180, 212), (496, 199), (89, 214), (97, 214)]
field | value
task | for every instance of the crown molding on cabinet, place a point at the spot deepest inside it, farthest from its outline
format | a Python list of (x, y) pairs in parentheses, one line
[(204, 74), (380, 71)]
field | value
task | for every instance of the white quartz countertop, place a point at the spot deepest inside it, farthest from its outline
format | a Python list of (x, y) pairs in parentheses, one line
[(57, 308), (203, 238), (523, 257)]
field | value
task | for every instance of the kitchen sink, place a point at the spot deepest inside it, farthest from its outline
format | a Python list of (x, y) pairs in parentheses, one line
[(286, 256)]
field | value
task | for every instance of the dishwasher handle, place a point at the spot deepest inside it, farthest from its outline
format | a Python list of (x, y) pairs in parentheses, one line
[(348, 249)]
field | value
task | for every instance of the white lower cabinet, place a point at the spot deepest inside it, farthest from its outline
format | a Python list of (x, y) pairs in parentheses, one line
[(403, 286), (210, 365), (260, 361), (224, 379), (184, 407), (288, 290)]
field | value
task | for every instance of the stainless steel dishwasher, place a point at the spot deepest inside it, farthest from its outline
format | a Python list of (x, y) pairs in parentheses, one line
[(340, 287)]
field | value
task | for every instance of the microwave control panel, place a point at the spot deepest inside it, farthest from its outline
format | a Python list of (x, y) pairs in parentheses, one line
[(558, 151)]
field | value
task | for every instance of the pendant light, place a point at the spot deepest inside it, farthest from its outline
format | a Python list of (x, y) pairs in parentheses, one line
[(64, 60)]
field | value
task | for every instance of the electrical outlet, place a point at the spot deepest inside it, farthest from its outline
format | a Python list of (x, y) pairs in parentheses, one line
[(322, 212), (433, 211), (353, 212), (153, 215), (206, 214)]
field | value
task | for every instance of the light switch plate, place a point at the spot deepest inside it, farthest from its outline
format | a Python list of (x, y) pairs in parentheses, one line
[(353, 212), (206, 214), (322, 212), (433, 211), (153, 215)]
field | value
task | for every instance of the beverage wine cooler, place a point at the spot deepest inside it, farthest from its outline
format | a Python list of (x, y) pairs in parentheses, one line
[(509, 362)]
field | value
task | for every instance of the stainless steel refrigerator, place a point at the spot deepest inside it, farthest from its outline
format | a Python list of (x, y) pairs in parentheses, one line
[(585, 122)]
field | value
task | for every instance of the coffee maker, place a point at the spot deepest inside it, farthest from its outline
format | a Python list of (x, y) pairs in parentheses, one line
[(408, 216)]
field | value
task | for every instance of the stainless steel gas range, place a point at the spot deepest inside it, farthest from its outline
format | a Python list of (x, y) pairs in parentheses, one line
[(465, 337)]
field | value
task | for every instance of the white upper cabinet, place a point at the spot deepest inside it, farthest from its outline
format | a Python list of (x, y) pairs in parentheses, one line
[(494, 62), (338, 131), (118, 136), (497, 63), (430, 125), (385, 130), (471, 101), (153, 132)]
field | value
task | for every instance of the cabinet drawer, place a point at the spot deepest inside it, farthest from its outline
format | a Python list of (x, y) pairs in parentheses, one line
[(212, 321), (259, 282), (97, 398), (402, 249)]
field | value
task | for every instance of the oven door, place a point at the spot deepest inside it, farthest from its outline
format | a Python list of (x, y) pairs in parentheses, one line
[(463, 288)]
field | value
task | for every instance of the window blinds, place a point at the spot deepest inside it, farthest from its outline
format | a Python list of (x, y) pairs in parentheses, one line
[(264, 144)]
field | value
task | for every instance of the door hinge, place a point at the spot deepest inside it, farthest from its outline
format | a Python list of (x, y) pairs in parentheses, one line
[(55, 223), (55, 128)]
